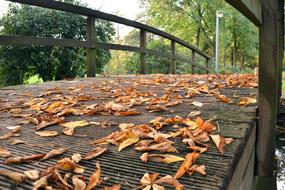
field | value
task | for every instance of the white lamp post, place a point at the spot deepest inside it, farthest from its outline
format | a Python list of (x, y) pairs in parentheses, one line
[(219, 14)]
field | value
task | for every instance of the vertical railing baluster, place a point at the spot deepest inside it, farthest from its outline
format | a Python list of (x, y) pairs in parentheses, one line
[(207, 64), (91, 52), (173, 60), (193, 62), (143, 53)]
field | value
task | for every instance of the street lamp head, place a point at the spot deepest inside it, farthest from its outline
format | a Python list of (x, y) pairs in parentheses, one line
[(220, 14)]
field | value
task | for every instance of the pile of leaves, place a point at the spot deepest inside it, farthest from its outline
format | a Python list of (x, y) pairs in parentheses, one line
[(54, 106)]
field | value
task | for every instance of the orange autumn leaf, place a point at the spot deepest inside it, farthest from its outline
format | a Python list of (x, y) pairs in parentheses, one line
[(94, 178), (54, 152), (20, 159), (223, 98), (190, 159), (15, 176), (219, 142), (4, 152), (95, 153)]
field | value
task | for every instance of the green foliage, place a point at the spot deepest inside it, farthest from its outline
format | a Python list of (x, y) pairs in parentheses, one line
[(50, 63), (195, 20)]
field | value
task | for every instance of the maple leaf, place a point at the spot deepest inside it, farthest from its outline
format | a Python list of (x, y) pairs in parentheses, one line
[(201, 169), (162, 147), (45, 124), (223, 98), (245, 101), (42, 182), (32, 174)]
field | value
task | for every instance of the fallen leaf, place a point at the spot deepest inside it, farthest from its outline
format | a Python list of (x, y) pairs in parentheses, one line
[(125, 126), (94, 178), (201, 169), (78, 183), (219, 142), (20, 159), (127, 113), (42, 182), (130, 139), (76, 157), (193, 114), (17, 141), (4, 152), (73, 124), (144, 157), (54, 152), (45, 124), (162, 147), (190, 159), (198, 104), (95, 153), (245, 101), (69, 165), (47, 133), (32, 174), (114, 187), (223, 98), (15, 176), (166, 158)]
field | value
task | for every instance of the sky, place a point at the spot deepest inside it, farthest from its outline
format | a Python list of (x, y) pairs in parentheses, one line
[(125, 8)]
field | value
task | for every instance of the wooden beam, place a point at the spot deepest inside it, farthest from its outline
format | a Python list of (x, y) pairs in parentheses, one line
[(67, 7), (143, 54), (91, 52), (249, 8), (173, 61), (269, 60), (193, 62), (31, 40)]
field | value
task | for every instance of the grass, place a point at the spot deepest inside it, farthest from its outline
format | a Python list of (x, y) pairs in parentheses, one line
[(34, 80)]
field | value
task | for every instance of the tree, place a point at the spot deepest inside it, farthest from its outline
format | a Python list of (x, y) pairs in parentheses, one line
[(51, 63)]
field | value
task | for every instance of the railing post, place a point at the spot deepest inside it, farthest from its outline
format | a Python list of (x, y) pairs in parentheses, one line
[(173, 60), (91, 52), (207, 64), (193, 62), (143, 54)]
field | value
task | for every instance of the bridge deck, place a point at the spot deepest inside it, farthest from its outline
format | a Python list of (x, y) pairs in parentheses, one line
[(125, 167)]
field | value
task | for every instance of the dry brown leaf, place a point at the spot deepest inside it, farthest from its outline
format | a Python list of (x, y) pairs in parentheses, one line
[(193, 114), (114, 187), (166, 158), (201, 169), (170, 181), (47, 133), (45, 124), (125, 126), (12, 133), (95, 153), (54, 152), (94, 178), (79, 184), (73, 124), (59, 180), (219, 142), (76, 157), (15, 176), (190, 159), (17, 141), (130, 139), (245, 101), (162, 147), (223, 98), (42, 182), (32, 174), (20, 159), (198, 104), (229, 140), (144, 157), (69, 165), (4, 152), (127, 113)]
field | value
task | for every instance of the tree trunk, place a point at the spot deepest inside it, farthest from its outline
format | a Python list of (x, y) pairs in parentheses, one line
[(198, 37)]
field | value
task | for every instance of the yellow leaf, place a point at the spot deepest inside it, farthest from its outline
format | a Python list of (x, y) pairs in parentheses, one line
[(128, 142), (72, 124)]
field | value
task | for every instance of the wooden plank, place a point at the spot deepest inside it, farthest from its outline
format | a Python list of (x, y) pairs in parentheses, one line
[(173, 61), (269, 49), (91, 52), (193, 62), (31, 40), (243, 176), (143, 54), (57, 5), (250, 8)]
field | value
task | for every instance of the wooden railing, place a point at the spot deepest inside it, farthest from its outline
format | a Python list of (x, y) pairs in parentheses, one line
[(91, 44)]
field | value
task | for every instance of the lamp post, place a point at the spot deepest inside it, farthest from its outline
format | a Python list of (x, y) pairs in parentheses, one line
[(219, 14)]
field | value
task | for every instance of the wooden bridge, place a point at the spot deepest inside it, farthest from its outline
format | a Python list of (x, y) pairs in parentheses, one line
[(245, 163)]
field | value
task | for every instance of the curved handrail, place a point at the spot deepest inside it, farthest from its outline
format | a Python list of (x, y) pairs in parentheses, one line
[(90, 42)]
